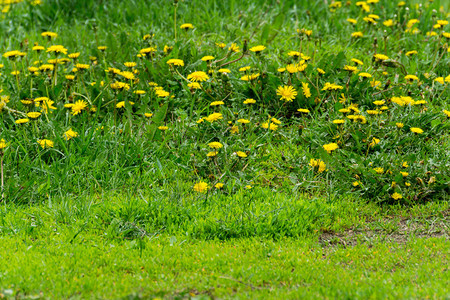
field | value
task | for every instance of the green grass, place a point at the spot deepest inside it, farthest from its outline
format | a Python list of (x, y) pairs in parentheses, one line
[(122, 247), (111, 249), (253, 268), (112, 213)]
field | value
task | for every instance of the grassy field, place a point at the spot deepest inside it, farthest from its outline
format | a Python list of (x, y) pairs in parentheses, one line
[(224, 149)]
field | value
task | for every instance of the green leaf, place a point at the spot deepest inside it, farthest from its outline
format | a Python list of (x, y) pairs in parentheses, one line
[(158, 120)]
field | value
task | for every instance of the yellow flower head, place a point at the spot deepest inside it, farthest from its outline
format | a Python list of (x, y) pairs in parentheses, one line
[(396, 196), (241, 154), (3, 144), (287, 93), (33, 115), (243, 121), (46, 143), (70, 134), (201, 187), (257, 49), (380, 57), (213, 117), (357, 34), (49, 34), (208, 58), (217, 103), (194, 85), (411, 77), (198, 76), (319, 164), (78, 106), (234, 48), (187, 26), (330, 147), (270, 126), (215, 145), (365, 75), (410, 53), (176, 62), (22, 121), (416, 130), (57, 49)]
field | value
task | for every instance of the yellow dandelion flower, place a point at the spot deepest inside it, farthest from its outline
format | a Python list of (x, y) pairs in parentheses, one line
[(74, 55), (396, 196), (69, 134), (198, 76), (187, 26), (217, 103), (351, 68), (78, 106), (287, 93), (250, 101), (234, 48), (57, 49), (241, 154), (208, 58), (257, 49), (175, 62), (44, 143), (33, 115), (319, 164), (201, 187), (215, 145), (357, 34), (410, 53), (365, 75), (213, 117), (380, 57), (411, 77), (243, 121), (306, 90), (250, 77), (22, 121), (357, 61), (194, 85), (129, 64), (330, 147), (244, 69), (388, 23), (416, 130), (49, 34)]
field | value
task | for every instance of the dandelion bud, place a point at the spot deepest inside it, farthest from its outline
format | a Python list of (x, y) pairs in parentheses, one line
[(245, 48)]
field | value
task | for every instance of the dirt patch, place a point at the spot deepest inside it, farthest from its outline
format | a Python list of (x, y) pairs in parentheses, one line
[(400, 232)]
